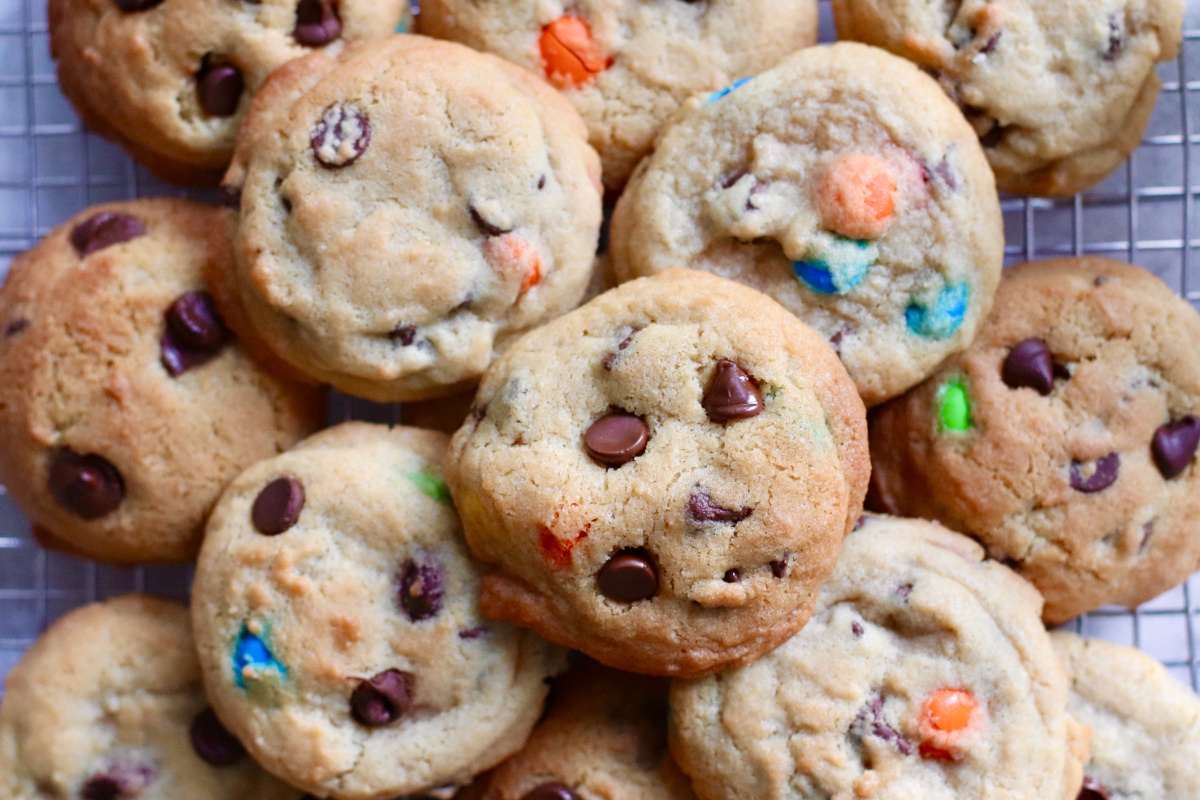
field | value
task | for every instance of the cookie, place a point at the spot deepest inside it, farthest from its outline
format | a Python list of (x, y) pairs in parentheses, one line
[(925, 672), (426, 204), (126, 405), (337, 621), (626, 65), (108, 705), (604, 738), (846, 186), (1064, 438), (1058, 91), (1145, 724), (170, 80), (669, 490)]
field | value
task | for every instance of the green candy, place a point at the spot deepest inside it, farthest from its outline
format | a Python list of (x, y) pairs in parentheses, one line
[(431, 486), (954, 406)]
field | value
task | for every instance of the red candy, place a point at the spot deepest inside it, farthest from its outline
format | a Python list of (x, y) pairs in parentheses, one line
[(570, 57)]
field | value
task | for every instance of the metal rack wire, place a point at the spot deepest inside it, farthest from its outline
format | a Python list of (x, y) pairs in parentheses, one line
[(50, 169)]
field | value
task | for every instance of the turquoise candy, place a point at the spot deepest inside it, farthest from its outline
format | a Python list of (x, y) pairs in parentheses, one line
[(943, 317), (252, 651), (836, 266), (717, 95)]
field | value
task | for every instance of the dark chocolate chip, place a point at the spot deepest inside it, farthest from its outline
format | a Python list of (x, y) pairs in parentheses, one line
[(616, 438), (101, 787), (15, 327), (405, 334), (485, 227), (629, 576), (131, 6), (1092, 789), (120, 782), (472, 633), (857, 629), (871, 722), (194, 332), (382, 699), (1174, 445), (732, 178), (212, 742), (701, 508), (731, 394), (1105, 474), (903, 591), (1116, 37), (779, 568), (422, 587), (1029, 365), (317, 23), (991, 43), (231, 196), (287, 204), (104, 230), (732, 576), (835, 342), (219, 89), (87, 485), (550, 791), (1100, 281), (610, 360), (541, 182), (341, 135), (994, 136), (278, 506)]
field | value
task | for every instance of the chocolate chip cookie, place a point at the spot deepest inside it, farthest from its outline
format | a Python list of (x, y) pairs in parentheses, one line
[(108, 705), (126, 404), (336, 615), (924, 672), (846, 186), (407, 210), (605, 736), (170, 80), (1145, 724), (669, 490), (1058, 91), (627, 65), (1064, 438)]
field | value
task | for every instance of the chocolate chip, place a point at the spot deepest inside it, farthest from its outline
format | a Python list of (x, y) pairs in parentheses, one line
[(405, 334), (1174, 444), (278, 506), (382, 699), (287, 204), (733, 177), (341, 136), (903, 591), (231, 196), (872, 722), (1092, 790), (991, 43), (857, 629), (104, 230), (1105, 474), (1116, 37), (994, 136), (100, 787), (15, 327), (629, 576), (87, 485), (472, 633), (732, 576), (550, 791), (1147, 530), (946, 172), (119, 782), (422, 587), (731, 394), (616, 438), (212, 742), (1100, 281), (317, 23), (131, 6), (219, 89), (541, 184), (194, 333), (701, 508), (779, 568), (1029, 365), (485, 227), (610, 360)]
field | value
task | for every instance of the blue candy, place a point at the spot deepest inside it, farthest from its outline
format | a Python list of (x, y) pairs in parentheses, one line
[(835, 266), (252, 651), (941, 319), (717, 95)]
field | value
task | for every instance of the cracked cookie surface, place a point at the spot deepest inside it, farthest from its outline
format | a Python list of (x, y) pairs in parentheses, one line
[(669, 489), (337, 620), (846, 186), (1064, 438)]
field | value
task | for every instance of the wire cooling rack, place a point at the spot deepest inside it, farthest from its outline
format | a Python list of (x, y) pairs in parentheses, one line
[(50, 169)]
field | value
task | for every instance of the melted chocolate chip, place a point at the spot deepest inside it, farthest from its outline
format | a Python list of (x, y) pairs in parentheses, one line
[(15, 327), (341, 136), (871, 722), (472, 633), (1092, 789), (1147, 530), (194, 333), (731, 394), (857, 629), (104, 230), (405, 334), (101, 787), (994, 136), (485, 227), (1029, 365), (278, 506), (1102, 477), (1116, 37), (382, 699), (616, 438), (422, 587), (991, 43), (87, 485), (317, 23), (219, 88), (132, 6), (732, 576), (550, 791), (1174, 445), (903, 591), (119, 782), (946, 172), (212, 742), (733, 177), (629, 576), (779, 568), (701, 508)]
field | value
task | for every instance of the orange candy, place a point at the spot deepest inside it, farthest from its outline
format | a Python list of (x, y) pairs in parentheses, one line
[(947, 716), (570, 57), (512, 256), (857, 196)]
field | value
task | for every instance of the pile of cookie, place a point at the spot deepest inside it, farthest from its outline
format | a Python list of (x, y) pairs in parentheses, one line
[(640, 566)]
